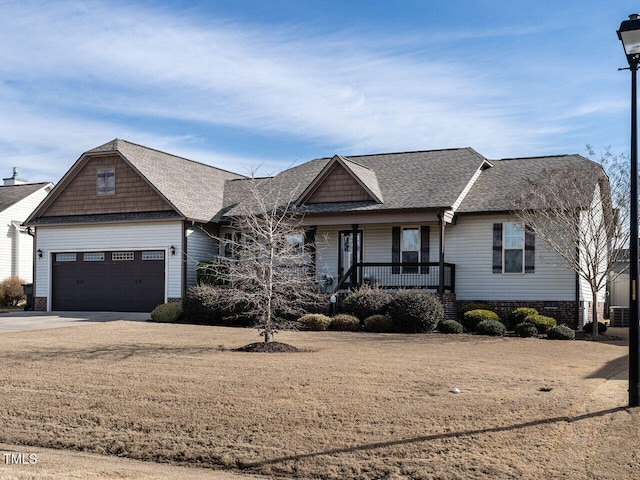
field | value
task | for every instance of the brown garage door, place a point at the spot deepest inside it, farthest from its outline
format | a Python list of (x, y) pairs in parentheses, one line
[(108, 281)]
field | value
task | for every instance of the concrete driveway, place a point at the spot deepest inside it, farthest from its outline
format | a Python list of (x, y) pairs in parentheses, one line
[(17, 321)]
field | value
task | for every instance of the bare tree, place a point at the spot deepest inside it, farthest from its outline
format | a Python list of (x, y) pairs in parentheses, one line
[(266, 266), (581, 211)]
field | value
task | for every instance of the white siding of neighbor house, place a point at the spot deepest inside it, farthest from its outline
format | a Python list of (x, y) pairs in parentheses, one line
[(469, 244), (17, 246), (201, 245), (129, 236)]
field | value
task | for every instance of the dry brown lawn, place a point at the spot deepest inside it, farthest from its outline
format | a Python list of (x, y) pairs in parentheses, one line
[(356, 406)]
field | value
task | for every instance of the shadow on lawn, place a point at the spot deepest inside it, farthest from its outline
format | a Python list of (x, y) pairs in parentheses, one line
[(611, 368), (426, 438), (111, 353)]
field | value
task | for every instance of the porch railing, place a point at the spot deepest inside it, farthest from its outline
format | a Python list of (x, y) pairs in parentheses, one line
[(424, 275)]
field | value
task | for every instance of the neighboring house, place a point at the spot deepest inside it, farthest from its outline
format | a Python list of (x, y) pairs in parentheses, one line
[(18, 199), (438, 220)]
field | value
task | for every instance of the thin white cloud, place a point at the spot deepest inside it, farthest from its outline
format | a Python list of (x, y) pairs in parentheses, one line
[(79, 72)]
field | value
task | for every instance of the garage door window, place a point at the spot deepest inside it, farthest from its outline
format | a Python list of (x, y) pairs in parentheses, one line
[(94, 257), (65, 257), (157, 255), (122, 256)]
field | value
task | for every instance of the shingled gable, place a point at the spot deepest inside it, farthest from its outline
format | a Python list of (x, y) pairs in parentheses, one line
[(192, 190), (342, 180)]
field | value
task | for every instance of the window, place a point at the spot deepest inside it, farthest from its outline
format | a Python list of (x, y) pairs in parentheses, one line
[(227, 245), (154, 255), (106, 183), (410, 248), (297, 240), (94, 257), (122, 256), (65, 257), (513, 250)]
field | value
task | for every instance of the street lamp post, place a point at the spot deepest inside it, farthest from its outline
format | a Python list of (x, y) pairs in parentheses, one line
[(629, 34)]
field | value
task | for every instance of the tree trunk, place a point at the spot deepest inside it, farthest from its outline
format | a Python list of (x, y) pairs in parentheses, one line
[(594, 313), (268, 336)]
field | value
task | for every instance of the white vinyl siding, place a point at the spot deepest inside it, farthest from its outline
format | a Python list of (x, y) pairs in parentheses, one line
[(469, 245), (200, 246), (16, 244), (112, 237)]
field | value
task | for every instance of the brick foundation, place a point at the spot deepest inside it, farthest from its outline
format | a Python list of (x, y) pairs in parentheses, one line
[(564, 312), (449, 303), (40, 304), (173, 300)]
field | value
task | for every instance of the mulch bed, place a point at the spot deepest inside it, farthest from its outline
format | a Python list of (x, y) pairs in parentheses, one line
[(271, 347)]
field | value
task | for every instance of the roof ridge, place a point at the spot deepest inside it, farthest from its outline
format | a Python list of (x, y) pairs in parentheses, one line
[(408, 152), (117, 140), (536, 156)]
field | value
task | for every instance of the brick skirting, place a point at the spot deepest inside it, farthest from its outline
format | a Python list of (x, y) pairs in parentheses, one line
[(40, 304)]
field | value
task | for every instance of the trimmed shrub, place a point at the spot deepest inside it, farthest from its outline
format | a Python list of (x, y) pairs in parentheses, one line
[(519, 315), (11, 292), (588, 327), (415, 312), (314, 321), (473, 317), (493, 328), (345, 323), (209, 305), (365, 302), (542, 323), (474, 306), (167, 313), (561, 332), (378, 324), (450, 326), (526, 329)]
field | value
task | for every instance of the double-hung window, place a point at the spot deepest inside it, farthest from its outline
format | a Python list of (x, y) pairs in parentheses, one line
[(513, 248), (410, 248)]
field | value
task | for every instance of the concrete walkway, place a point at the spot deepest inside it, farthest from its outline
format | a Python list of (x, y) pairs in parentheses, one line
[(19, 320)]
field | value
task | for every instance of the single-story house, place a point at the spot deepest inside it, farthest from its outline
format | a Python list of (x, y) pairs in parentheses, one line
[(18, 199), (126, 226)]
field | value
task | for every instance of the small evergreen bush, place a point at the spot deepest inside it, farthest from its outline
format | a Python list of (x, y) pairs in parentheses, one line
[(588, 327), (365, 302), (450, 326), (474, 306), (345, 323), (378, 324), (415, 312), (473, 317), (314, 321), (493, 328), (11, 292), (167, 312), (519, 315), (561, 332), (526, 329), (542, 323)]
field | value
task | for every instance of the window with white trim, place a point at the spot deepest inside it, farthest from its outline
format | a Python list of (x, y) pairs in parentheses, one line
[(410, 248), (106, 182), (513, 248), (122, 256), (153, 255), (94, 257)]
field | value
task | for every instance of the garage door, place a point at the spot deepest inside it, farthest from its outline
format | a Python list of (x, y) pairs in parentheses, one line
[(108, 281)]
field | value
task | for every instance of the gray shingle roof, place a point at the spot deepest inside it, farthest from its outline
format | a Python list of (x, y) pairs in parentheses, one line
[(410, 180), (12, 194), (196, 190), (496, 188)]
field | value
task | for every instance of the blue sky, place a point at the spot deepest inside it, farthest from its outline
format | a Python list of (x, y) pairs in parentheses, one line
[(269, 84)]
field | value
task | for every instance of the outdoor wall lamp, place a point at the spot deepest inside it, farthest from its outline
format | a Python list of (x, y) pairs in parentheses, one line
[(172, 249), (39, 252), (629, 35)]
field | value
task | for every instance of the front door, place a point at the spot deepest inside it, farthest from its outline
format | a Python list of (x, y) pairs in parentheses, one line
[(345, 252)]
